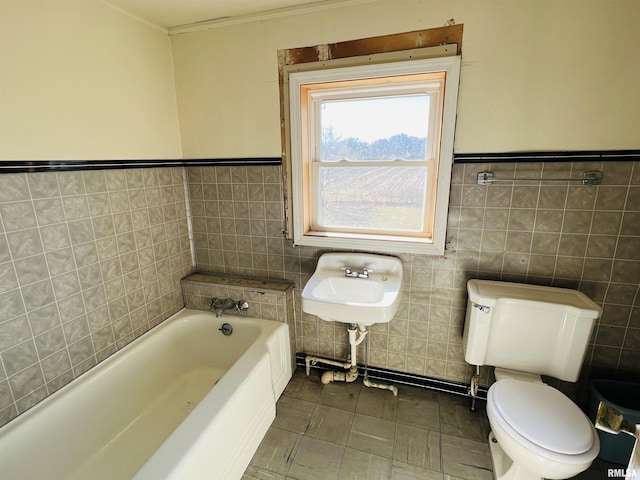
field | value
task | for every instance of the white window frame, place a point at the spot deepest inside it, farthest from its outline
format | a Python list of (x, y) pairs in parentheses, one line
[(300, 164), (409, 85)]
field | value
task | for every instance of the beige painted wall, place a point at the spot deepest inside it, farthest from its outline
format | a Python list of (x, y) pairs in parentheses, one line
[(82, 80), (536, 74)]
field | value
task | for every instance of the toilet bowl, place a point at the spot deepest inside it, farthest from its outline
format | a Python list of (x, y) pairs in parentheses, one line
[(537, 432)]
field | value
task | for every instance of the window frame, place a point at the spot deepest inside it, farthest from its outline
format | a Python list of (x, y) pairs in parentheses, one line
[(431, 85), (301, 152)]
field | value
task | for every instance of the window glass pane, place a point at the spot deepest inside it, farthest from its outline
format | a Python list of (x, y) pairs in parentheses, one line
[(375, 128), (372, 198)]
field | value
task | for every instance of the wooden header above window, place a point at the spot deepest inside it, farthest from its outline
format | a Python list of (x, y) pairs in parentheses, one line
[(431, 37)]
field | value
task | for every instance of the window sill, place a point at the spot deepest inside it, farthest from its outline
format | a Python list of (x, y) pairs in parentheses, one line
[(373, 243)]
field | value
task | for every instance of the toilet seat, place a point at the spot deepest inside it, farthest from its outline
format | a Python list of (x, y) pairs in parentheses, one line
[(541, 418)]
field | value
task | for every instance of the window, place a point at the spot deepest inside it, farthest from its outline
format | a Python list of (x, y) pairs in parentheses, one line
[(371, 153)]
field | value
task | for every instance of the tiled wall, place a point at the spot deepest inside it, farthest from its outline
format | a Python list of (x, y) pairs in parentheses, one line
[(237, 220), (545, 233), (88, 262)]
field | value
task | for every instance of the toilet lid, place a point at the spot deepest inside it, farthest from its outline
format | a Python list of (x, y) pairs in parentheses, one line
[(543, 416)]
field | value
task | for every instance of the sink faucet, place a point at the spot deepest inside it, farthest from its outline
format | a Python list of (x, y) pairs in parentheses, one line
[(349, 272), (220, 305)]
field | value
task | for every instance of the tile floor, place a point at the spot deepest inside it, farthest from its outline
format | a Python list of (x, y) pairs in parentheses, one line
[(347, 431)]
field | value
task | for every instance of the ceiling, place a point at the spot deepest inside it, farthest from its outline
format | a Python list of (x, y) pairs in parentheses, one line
[(171, 13)]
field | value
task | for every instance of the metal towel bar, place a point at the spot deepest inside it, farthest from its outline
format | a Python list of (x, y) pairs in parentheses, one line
[(588, 178)]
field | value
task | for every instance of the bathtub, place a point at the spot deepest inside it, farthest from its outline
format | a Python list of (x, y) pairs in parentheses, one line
[(182, 401)]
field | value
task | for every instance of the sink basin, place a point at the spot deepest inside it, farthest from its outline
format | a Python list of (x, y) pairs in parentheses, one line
[(332, 296)]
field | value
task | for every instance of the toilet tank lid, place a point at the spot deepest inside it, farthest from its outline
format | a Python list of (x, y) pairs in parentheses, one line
[(488, 292)]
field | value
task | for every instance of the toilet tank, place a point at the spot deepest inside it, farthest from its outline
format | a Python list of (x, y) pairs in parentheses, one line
[(529, 328)]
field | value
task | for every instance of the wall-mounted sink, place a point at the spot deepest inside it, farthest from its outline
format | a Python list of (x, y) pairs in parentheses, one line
[(357, 288)]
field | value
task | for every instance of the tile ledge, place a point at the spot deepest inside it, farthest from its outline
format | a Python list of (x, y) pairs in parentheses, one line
[(257, 283)]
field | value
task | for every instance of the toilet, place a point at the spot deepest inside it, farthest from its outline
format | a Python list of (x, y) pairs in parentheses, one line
[(526, 331)]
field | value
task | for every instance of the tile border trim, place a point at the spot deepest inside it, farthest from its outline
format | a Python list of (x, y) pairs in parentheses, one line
[(27, 166), (549, 156)]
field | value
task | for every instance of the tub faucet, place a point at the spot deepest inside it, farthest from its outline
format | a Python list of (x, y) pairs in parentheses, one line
[(219, 305)]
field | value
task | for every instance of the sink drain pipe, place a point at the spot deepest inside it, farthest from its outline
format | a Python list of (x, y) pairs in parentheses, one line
[(368, 383), (351, 369)]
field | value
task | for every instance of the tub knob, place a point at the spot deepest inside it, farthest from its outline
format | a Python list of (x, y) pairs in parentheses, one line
[(242, 306)]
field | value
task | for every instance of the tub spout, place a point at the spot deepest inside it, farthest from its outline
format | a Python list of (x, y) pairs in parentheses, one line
[(219, 305)]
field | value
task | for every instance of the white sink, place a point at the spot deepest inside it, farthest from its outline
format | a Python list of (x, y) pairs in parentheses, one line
[(333, 296)]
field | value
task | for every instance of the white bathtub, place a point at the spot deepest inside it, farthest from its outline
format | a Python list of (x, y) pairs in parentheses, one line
[(182, 401)]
